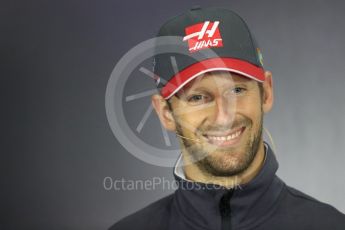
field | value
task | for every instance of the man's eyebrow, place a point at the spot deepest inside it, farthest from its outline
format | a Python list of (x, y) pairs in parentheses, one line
[(201, 89), (198, 89), (246, 82)]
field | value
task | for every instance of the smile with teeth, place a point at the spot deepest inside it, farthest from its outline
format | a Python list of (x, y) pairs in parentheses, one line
[(225, 138)]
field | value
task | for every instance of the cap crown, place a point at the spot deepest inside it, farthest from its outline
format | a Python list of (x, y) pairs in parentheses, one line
[(216, 29)]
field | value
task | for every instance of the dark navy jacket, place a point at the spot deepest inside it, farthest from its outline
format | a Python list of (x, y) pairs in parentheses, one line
[(264, 203)]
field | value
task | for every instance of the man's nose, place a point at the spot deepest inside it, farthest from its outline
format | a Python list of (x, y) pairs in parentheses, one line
[(224, 110)]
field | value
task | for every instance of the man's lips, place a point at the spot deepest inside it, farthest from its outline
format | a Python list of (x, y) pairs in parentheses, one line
[(223, 139)]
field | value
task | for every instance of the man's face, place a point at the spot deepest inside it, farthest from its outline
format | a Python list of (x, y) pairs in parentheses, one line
[(221, 115)]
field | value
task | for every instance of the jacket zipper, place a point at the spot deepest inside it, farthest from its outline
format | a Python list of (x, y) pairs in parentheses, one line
[(225, 210)]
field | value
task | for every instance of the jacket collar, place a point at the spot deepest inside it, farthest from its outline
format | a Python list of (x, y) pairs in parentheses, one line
[(251, 203)]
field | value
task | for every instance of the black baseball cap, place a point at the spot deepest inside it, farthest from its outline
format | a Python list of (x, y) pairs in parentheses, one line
[(220, 35)]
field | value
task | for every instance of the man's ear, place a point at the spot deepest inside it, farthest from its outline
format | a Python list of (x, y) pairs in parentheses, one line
[(164, 113), (267, 102)]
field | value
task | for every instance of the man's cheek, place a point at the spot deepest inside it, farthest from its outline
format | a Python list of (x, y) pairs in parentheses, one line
[(188, 125)]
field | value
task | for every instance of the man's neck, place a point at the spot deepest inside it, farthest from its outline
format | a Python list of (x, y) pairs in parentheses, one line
[(194, 173)]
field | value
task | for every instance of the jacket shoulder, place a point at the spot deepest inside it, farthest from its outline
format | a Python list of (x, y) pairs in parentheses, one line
[(309, 209), (151, 217)]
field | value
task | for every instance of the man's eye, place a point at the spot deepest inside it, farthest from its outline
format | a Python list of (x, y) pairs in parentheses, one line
[(198, 99), (238, 90)]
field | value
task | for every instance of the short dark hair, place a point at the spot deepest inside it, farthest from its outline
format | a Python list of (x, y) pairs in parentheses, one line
[(261, 89)]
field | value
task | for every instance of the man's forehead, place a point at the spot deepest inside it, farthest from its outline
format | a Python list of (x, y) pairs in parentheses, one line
[(216, 76)]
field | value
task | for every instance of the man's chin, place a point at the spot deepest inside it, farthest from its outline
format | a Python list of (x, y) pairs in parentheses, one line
[(229, 156), (226, 164)]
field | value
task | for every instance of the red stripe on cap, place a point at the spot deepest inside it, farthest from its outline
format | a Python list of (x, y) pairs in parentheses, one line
[(227, 64)]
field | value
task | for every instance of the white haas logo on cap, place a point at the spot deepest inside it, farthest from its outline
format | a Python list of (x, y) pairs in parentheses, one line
[(203, 35)]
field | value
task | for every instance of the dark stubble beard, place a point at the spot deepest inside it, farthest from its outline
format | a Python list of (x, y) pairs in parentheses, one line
[(207, 164)]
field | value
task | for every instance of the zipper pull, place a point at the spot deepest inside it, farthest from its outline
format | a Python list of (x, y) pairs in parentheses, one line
[(225, 210)]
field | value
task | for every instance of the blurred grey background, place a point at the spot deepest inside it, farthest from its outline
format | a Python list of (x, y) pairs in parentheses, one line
[(57, 147)]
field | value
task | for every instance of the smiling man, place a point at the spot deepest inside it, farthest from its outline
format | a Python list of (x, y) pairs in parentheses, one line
[(214, 99), (219, 116)]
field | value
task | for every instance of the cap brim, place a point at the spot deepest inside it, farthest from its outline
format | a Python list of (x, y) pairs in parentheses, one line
[(238, 66)]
